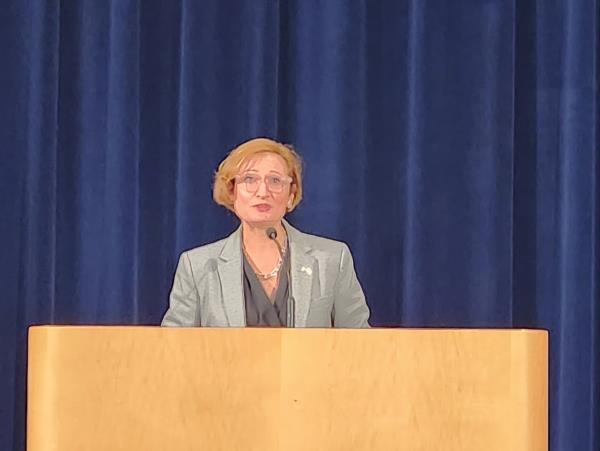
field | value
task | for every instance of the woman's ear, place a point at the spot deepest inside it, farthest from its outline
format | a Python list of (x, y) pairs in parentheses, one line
[(231, 191)]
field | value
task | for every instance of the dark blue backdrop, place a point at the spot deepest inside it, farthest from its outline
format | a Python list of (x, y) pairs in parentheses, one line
[(453, 145)]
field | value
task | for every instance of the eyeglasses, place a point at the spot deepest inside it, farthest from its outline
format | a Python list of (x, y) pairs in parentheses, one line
[(274, 183)]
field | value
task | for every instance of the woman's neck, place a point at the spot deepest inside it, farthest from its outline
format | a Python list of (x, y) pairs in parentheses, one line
[(255, 237)]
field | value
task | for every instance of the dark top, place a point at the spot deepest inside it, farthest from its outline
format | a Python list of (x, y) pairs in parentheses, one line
[(260, 311)]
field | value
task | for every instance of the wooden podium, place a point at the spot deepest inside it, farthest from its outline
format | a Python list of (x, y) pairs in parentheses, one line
[(151, 388)]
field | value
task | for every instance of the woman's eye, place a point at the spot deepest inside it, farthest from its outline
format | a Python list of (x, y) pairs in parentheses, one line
[(275, 180), (249, 179)]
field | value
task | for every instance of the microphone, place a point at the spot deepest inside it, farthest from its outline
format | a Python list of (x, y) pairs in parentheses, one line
[(272, 234), (291, 303)]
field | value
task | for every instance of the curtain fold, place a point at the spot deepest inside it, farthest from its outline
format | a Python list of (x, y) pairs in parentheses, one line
[(453, 146)]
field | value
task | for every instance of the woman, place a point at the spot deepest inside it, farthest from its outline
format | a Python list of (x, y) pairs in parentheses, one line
[(266, 273)]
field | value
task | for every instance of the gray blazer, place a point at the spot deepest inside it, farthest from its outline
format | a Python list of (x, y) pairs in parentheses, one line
[(207, 290)]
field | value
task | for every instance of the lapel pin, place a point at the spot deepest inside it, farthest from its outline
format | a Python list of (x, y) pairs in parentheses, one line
[(307, 270)]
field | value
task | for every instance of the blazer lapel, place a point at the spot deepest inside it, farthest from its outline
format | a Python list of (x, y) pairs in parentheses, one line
[(230, 275), (303, 272)]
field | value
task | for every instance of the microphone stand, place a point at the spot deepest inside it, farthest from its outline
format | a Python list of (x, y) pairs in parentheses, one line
[(291, 302)]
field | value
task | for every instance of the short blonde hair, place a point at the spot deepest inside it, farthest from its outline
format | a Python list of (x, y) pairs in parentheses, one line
[(231, 165)]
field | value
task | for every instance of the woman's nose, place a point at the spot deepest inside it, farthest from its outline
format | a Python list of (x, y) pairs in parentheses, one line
[(262, 189)]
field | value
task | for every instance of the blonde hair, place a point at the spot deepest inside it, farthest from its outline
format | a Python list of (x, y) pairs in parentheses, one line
[(235, 160)]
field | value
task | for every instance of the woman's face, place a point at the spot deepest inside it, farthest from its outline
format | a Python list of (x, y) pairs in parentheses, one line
[(262, 190)]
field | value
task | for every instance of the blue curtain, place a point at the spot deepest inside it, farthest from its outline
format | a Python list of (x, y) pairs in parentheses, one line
[(453, 145)]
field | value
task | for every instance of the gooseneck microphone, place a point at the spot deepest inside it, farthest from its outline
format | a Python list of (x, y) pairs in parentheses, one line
[(272, 235), (291, 303)]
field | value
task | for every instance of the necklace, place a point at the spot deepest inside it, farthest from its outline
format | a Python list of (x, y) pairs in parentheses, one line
[(275, 271)]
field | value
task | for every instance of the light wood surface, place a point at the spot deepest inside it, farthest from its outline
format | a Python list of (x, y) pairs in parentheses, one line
[(150, 388)]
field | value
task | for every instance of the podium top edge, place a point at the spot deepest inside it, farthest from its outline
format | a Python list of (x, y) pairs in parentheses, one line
[(367, 330)]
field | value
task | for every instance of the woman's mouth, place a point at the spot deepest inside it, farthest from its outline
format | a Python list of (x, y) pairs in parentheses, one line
[(263, 207)]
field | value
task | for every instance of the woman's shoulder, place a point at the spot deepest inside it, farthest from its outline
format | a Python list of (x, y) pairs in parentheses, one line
[(321, 243), (207, 251)]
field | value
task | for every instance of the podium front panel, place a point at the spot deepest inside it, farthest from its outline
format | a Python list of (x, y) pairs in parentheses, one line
[(151, 388)]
